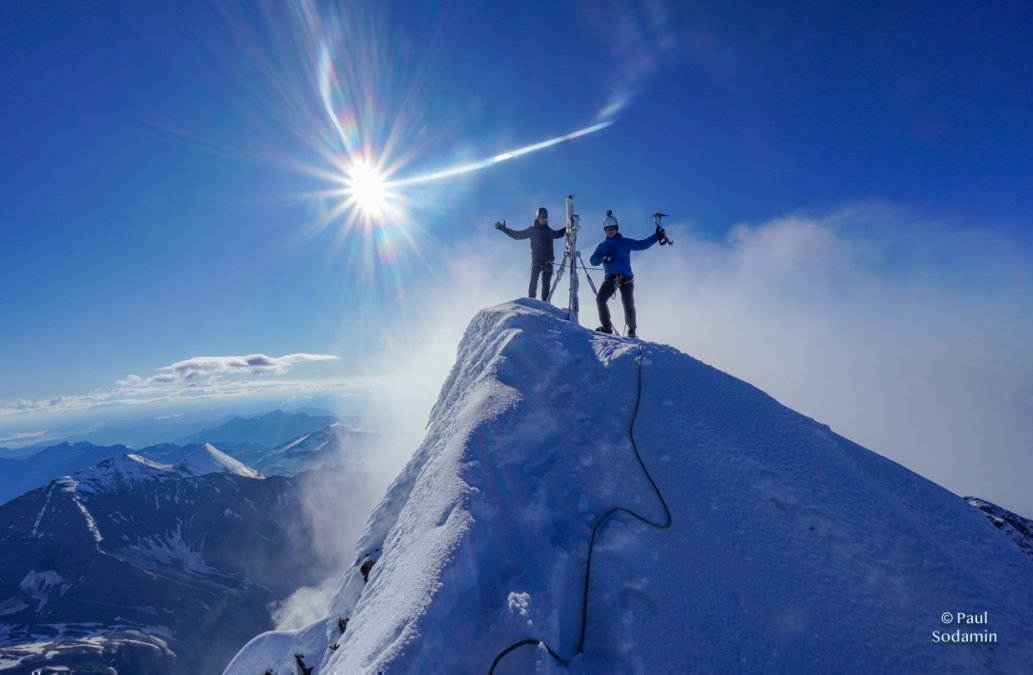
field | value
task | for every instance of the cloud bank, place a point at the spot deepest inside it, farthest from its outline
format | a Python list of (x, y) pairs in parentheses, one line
[(211, 367), (909, 335)]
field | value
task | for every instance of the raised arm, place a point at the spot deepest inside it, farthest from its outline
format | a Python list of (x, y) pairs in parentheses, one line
[(642, 244), (515, 234)]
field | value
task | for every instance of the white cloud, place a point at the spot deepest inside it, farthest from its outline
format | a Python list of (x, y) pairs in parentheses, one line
[(201, 367), (195, 378)]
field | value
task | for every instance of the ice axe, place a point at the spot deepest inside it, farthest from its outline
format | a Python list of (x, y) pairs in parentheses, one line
[(664, 239)]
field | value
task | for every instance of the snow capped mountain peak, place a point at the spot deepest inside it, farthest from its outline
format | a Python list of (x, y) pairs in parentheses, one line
[(209, 459), (147, 567), (125, 470), (790, 548)]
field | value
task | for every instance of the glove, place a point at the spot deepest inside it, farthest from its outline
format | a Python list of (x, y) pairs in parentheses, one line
[(500, 226), (607, 259)]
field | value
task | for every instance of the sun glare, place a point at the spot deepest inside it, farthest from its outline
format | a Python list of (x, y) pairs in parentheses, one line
[(367, 189)]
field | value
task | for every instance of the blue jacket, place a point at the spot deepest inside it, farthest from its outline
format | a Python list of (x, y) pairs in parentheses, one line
[(619, 249)]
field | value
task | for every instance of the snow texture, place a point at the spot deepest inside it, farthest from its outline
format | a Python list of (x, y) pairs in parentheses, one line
[(792, 549), (168, 554), (38, 585), (71, 486), (79, 647)]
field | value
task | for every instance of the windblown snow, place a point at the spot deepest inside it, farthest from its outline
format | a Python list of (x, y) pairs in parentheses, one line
[(791, 549)]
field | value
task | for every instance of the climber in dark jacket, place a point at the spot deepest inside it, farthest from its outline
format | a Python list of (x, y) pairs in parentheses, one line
[(542, 255), (615, 255)]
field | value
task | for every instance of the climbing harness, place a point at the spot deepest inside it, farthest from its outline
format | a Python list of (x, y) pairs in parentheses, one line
[(591, 544), (618, 282)]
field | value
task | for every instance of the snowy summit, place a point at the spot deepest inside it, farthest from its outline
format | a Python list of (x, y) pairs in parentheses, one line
[(209, 459), (790, 548)]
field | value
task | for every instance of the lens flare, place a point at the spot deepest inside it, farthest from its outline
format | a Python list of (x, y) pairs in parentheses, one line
[(501, 157), (363, 123), (367, 189)]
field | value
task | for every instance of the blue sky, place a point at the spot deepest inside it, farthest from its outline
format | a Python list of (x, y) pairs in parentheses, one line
[(170, 168)]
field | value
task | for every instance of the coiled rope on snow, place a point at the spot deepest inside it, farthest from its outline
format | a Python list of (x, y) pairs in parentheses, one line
[(591, 544)]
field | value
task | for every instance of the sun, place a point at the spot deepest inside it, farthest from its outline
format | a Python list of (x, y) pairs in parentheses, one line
[(367, 189)]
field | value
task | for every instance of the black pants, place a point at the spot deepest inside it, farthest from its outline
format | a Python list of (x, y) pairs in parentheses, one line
[(606, 291), (543, 268)]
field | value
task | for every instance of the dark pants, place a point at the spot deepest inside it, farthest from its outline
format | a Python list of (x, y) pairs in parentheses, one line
[(543, 268), (606, 291)]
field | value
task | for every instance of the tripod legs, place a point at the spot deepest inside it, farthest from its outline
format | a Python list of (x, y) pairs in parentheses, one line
[(559, 276)]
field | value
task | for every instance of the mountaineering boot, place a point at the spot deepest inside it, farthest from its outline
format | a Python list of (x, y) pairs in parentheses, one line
[(602, 329), (631, 333)]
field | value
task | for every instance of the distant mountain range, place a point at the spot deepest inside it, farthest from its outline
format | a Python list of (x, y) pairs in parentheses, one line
[(336, 444), (19, 453), (275, 443), (146, 431), (21, 475), (144, 566), (141, 433), (168, 558), (271, 429)]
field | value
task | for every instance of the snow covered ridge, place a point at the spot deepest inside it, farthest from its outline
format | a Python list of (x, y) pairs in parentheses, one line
[(133, 469), (127, 469), (792, 549), (1017, 528)]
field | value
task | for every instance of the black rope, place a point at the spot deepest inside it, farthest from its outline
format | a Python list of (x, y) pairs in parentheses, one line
[(589, 276), (591, 543), (517, 645)]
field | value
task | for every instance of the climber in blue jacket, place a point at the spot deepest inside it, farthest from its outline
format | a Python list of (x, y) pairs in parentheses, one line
[(615, 255)]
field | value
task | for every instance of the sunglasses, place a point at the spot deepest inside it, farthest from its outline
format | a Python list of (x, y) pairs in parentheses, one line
[(607, 229)]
